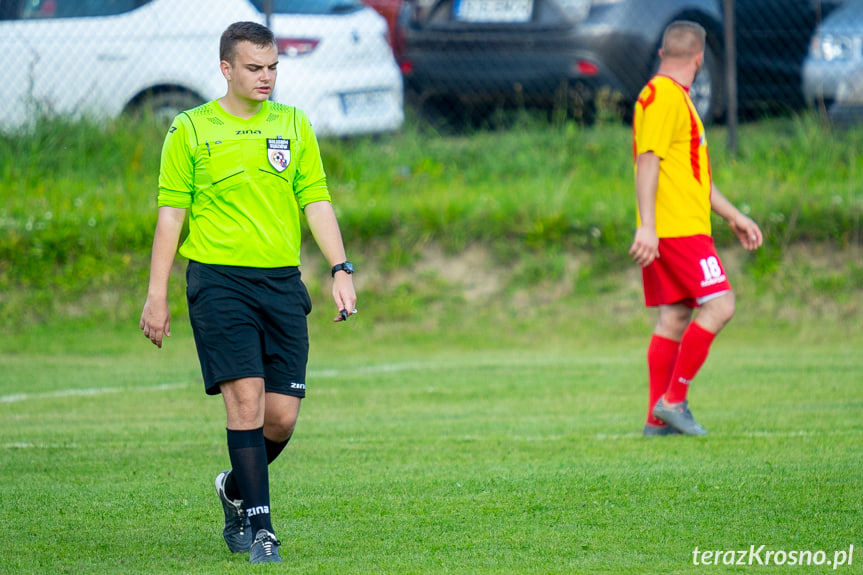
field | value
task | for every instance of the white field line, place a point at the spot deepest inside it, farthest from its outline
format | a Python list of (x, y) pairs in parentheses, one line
[(733, 435), (18, 397), (311, 375), (631, 436), (91, 391)]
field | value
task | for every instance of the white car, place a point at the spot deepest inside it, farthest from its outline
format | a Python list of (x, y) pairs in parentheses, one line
[(835, 53), (100, 58)]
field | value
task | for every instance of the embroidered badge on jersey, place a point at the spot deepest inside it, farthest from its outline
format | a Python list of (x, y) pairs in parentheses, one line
[(279, 153)]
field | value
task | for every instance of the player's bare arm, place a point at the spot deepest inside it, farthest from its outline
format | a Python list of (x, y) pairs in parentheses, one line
[(746, 230), (156, 316), (645, 246), (325, 229)]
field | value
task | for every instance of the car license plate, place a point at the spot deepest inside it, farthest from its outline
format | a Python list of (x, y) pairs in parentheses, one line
[(494, 11), (364, 103)]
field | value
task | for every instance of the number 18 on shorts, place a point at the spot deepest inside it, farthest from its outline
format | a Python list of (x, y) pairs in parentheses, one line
[(687, 271)]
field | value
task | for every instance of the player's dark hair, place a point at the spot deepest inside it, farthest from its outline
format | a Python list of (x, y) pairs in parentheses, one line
[(251, 32), (683, 38)]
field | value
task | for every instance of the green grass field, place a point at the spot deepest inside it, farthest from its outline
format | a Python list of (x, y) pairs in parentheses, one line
[(426, 454), (483, 412)]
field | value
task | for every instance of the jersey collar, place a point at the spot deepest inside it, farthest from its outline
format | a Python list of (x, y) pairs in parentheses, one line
[(681, 86)]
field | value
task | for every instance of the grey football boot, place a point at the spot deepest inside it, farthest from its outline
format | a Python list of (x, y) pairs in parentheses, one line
[(678, 416), (659, 430), (265, 548), (238, 529)]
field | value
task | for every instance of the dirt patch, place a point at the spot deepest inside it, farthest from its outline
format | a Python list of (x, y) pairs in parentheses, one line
[(805, 273), (473, 270)]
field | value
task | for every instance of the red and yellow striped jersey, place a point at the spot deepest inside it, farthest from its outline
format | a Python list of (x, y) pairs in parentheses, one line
[(667, 124)]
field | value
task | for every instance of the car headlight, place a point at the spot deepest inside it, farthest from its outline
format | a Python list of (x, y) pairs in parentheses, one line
[(831, 47)]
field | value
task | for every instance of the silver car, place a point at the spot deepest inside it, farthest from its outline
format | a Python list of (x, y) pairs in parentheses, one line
[(848, 108), (835, 53)]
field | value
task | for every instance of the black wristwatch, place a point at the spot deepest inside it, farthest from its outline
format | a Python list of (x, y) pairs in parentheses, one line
[(346, 267)]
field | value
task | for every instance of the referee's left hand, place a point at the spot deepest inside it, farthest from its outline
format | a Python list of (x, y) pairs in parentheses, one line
[(344, 296)]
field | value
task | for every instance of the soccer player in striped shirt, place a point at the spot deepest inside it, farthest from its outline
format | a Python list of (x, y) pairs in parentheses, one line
[(681, 270)]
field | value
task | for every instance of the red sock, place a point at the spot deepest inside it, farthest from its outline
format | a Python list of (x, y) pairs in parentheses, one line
[(661, 357), (694, 348)]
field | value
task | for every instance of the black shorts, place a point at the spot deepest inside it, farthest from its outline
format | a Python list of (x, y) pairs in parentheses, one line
[(250, 322)]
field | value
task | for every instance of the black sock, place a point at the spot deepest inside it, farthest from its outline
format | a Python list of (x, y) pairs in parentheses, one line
[(248, 455), (231, 488), (274, 448)]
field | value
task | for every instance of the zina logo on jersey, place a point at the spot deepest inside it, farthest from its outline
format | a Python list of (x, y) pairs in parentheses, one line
[(279, 153)]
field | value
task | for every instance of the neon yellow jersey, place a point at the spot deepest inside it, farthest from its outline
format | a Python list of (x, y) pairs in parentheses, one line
[(667, 124), (245, 182)]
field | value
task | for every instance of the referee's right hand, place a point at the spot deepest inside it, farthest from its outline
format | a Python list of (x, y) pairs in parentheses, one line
[(156, 321)]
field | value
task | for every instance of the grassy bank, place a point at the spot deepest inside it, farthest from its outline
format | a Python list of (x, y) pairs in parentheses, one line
[(537, 199)]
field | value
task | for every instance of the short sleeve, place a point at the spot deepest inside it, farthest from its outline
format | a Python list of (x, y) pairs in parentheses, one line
[(176, 174), (311, 180), (659, 120)]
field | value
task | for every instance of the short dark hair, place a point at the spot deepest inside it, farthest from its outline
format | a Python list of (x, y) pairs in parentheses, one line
[(683, 39), (252, 32)]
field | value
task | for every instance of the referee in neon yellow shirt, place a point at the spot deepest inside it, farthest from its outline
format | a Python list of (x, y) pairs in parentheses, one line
[(245, 167)]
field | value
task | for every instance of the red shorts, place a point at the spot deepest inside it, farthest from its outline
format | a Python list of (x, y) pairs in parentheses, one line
[(688, 271)]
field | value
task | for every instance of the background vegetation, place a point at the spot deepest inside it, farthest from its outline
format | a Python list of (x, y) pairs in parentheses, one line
[(534, 201)]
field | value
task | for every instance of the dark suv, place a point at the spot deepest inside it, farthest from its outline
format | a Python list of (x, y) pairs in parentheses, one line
[(568, 50)]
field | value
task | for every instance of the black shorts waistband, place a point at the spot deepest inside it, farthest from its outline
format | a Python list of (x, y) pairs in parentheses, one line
[(250, 273)]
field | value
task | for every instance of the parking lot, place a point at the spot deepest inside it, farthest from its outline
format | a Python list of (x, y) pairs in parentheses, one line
[(353, 64)]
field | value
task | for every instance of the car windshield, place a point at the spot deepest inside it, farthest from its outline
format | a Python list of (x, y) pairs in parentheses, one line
[(310, 6)]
